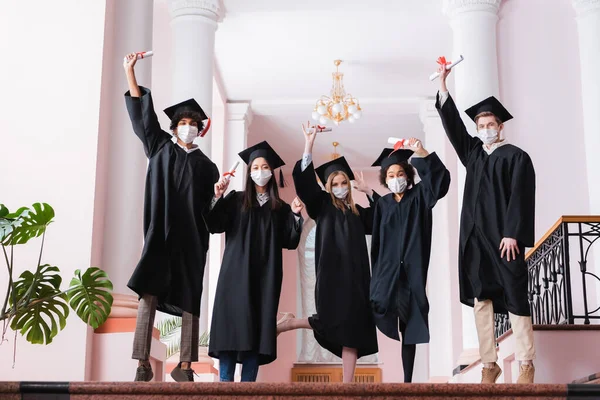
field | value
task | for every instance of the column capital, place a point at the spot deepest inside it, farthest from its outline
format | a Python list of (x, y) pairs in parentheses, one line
[(427, 110), (453, 8), (241, 111), (586, 7), (210, 9)]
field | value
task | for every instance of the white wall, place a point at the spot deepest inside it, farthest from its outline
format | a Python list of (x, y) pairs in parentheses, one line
[(49, 101)]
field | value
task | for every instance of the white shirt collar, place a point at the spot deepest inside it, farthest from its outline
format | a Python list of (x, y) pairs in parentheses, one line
[(494, 146), (194, 147)]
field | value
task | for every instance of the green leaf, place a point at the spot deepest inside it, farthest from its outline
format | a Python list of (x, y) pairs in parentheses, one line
[(3, 211), (42, 319), (28, 223), (47, 278), (90, 296)]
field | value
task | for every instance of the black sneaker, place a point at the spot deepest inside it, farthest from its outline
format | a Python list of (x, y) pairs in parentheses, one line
[(182, 375), (144, 374)]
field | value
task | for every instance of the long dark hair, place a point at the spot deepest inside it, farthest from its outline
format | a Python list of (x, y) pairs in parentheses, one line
[(250, 192)]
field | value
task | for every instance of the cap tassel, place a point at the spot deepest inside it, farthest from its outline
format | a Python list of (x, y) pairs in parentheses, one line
[(281, 180)]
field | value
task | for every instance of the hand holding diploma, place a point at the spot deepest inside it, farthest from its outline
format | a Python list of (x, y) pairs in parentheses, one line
[(446, 65), (223, 184)]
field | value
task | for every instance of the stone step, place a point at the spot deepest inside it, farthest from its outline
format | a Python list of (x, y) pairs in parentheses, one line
[(288, 391)]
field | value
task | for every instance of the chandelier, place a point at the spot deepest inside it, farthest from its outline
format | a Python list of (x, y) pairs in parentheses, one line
[(335, 154), (338, 106)]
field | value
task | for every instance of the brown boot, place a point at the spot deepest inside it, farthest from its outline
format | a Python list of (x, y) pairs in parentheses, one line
[(526, 373), (490, 375)]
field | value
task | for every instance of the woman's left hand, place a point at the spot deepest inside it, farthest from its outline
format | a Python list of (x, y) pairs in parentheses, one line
[(415, 145), (361, 185), (297, 206)]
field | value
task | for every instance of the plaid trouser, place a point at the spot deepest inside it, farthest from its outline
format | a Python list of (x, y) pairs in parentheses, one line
[(143, 332)]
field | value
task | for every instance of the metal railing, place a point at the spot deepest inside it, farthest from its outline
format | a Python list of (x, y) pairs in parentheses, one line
[(549, 268)]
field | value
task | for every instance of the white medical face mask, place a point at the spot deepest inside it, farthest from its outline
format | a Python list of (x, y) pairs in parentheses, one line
[(187, 133), (397, 185), (488, 136), (261, 177), (340, 192)]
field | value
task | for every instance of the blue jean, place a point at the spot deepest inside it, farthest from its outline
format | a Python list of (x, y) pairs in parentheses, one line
[(228, 360)]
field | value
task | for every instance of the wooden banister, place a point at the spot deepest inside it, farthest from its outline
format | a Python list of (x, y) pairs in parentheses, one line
[(564, 218)]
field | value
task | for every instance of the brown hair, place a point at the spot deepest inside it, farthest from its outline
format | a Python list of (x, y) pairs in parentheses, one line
[(250, 192), (409, 170), (339, 204), (487, 114)]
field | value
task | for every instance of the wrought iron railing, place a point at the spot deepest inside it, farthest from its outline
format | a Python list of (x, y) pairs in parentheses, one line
[(550, 285)]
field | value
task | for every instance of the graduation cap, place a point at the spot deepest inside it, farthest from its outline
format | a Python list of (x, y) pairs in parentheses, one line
[(491, 104), (188, 105), (263, 149), (339, 164), (390, 157)]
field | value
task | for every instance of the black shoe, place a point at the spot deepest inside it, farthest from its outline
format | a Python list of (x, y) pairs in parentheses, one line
[(182, 375), (144, 374)]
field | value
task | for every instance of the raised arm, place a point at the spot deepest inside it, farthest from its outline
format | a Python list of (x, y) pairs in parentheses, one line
[(305, 180), (292, 224), (141, 112), (453, 124), (435, 177)]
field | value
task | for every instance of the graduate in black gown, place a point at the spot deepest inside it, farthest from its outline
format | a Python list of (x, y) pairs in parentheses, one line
[(497, 223), (401, 245), (343, 323), (257, 225), (179, 185)]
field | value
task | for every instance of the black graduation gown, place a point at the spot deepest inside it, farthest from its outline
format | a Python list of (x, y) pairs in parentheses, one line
[(247, 296), (498, 202), (343, 317), (178, 187), (400, 251)]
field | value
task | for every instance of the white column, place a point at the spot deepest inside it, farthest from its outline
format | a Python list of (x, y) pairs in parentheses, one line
[(445, 316), (121, 159), (588, 25), (194, 24), (473, 25), (238, 117)]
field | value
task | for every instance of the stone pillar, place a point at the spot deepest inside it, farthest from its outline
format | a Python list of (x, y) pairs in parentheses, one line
[(445, 315), (118, 209), (193, 25), (588, 25), (473, 25)]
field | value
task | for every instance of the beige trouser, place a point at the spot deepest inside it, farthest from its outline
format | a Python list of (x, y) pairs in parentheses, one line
[(521, 326)]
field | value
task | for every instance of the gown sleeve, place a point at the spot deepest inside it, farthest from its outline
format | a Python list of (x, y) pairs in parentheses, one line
[(455, 129), (366, 214), (435, 178), (292, 228), (145, 123), (375, 235), (308, 190), (218, 219), (520, 215)]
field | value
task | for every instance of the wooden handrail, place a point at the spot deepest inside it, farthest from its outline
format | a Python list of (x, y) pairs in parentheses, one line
[(564, 218)]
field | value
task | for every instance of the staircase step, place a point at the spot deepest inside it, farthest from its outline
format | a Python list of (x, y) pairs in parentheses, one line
[(288, 391)]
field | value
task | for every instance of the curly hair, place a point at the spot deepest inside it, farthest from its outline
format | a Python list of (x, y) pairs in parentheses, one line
[(193, 115), (409, 170)]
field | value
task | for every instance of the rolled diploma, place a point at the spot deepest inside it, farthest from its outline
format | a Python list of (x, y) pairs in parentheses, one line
[(393, 140), (436, 75), (232, 170), (142, 54)]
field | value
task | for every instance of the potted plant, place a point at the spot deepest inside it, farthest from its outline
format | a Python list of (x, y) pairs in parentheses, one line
[(34, 303), (170, 335)]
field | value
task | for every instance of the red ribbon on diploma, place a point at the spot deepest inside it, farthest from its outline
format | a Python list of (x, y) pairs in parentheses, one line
[(442, 61), (205, 129), (399, 145), (232, 173)]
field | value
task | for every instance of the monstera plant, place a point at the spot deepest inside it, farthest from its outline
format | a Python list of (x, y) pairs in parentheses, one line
[(35, 305)]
